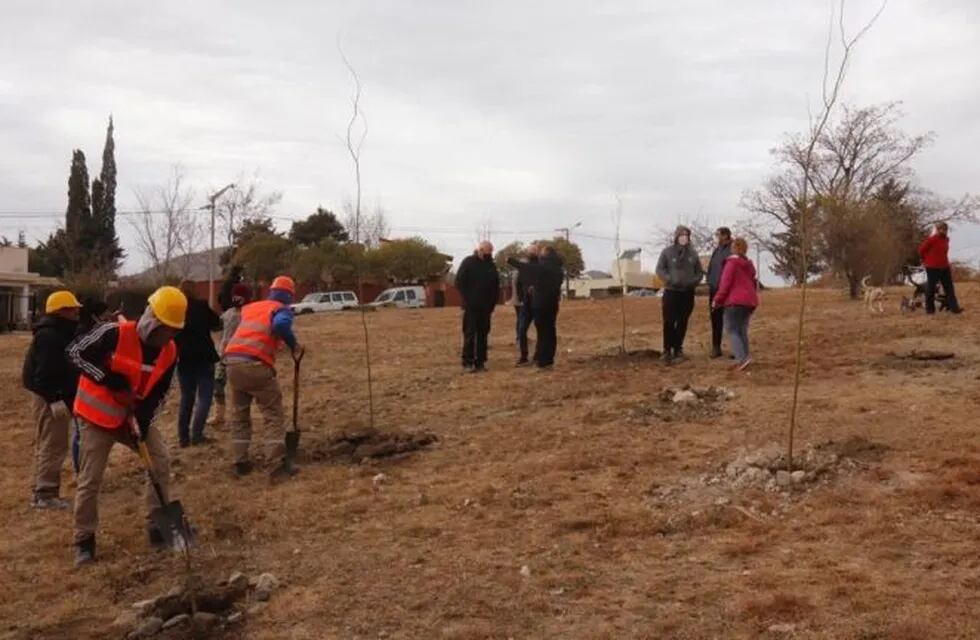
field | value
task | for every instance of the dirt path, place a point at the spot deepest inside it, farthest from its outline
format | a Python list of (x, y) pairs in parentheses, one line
[(562, 504)]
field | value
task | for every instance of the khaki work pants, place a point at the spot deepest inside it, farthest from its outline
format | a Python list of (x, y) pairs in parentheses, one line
[(50, 448), (96, 445), (248, 381)]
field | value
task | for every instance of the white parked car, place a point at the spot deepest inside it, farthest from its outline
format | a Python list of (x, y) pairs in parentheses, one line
[(401, 297), (326, 301)]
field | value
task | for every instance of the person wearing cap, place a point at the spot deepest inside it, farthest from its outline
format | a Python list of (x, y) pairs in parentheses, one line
[(679, 267), (126, 371), (196, 356), (250, 363), (230, 320), (52, 382)]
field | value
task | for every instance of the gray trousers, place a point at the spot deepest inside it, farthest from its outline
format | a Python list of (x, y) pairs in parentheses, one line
[(737, 327)]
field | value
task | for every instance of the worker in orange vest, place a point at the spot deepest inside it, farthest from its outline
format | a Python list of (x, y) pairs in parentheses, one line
[(250, 365), (126, 370)]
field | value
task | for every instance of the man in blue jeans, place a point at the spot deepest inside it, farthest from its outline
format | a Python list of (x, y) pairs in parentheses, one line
[(195, 367)]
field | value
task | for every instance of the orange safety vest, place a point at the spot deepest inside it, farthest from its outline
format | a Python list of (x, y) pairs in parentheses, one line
[(108, 409), (253, 337)]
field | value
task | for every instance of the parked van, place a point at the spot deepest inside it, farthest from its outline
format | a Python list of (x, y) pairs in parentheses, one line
[(326, 301), (401, 297)]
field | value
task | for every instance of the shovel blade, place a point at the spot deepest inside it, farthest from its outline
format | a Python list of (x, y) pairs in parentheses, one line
[(173, 526)]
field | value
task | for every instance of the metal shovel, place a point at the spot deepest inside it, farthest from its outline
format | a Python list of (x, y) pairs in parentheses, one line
[(168, 518), (288, 467)]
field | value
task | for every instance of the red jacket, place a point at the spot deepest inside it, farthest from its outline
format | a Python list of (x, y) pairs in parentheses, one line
[(737, 287), (934, 252)]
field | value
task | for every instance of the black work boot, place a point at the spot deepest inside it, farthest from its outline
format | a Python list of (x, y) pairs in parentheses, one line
[(155, 538), (85, 551)]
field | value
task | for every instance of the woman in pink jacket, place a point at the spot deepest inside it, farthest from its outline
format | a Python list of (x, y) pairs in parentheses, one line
[(738, 295)]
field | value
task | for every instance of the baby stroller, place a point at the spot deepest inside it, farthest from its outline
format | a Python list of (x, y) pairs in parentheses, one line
[(916, 278)]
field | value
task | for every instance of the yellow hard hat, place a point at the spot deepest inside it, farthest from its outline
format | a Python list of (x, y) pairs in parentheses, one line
[(169, 305), (61, 300)]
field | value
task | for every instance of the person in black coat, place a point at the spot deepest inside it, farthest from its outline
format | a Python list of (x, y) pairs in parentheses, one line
[(53, 382), (479, 285), (195, 367), (546, 300)]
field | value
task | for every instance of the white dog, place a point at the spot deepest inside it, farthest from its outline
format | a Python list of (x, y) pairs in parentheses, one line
[(874, 297)]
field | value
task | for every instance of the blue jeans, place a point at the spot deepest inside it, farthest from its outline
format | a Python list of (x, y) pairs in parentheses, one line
[(196, 393), (737, 327), (525, 318)]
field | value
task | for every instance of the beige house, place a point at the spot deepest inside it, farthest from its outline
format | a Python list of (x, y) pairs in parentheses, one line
[(17, 288), (627, 274)]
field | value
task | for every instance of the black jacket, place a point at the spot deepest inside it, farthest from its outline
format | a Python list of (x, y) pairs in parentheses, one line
[(47, 371), (195, 346), (91, 354), (542, 279), (717, 264), (478, 283)]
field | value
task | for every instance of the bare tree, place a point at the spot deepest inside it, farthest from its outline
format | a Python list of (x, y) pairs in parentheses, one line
[(818, 123), (373, 226), (354, 142), (617, 217), (245, 201), (165, 224)]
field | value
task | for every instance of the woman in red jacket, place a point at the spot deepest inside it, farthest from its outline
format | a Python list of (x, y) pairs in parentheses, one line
[(934, 252), (738, 295)]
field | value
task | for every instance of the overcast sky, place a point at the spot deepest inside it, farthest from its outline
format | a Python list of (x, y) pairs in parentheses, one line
[(526, 116)]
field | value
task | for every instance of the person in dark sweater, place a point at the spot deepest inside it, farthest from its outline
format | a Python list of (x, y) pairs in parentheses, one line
[(546, 298), (195, 367), (52, 381), (716, 265), (479, 285), (226, 294), (679, 267), (524, 302)]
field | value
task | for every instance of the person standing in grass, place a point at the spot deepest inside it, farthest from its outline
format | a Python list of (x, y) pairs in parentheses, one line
[(230, 320), (738, 296), (934, 252), (679, 267), (723, 249)]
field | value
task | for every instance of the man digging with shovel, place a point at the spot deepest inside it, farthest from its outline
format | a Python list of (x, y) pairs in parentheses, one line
[(250, 363), (126, 368)]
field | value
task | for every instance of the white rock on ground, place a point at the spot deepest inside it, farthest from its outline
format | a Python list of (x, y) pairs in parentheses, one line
[(149, 628), (798, 476), (685, 396), (526, 571), (783, 478), (238, 580), (267, 582), (176, 621)]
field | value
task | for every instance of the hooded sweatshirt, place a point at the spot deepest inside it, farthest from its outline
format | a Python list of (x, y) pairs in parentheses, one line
[(679, 265), (738, 286), (47, 371), (92, 352)]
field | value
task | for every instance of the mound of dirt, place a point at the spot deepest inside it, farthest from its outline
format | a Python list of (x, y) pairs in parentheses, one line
[(768, 467), (353, 447)]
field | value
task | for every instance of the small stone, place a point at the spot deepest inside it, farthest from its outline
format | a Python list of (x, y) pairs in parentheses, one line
[(722, 501), (150, 627), (685, 396), (238, 581), (145, 605), (783, 478), (267, 582), (784, 627), (234, 617), (176, 621), (205, 620), (798, 476), (175, 592), (379, 480), (126, 620), (526, 571)]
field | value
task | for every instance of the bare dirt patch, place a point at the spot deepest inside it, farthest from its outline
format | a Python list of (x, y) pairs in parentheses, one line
[(354, 447)]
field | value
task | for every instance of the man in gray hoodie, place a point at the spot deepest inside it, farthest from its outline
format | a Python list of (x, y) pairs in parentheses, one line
[(679, 267), (723, 249)]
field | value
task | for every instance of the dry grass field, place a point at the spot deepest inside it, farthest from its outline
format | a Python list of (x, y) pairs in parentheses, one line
[(570, 504)]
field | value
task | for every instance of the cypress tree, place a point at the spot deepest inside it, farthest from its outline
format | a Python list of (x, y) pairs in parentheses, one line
[(78, 217), (105, 242)]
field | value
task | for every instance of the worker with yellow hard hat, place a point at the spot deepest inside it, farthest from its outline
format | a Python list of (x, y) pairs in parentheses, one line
[(52, 383), (126, 370), (250, 362)]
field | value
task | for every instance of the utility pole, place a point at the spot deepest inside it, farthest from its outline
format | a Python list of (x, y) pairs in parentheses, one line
[(568, 239), (212, 199)]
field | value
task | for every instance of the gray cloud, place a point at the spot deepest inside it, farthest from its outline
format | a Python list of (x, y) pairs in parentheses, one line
[(529, 115)]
